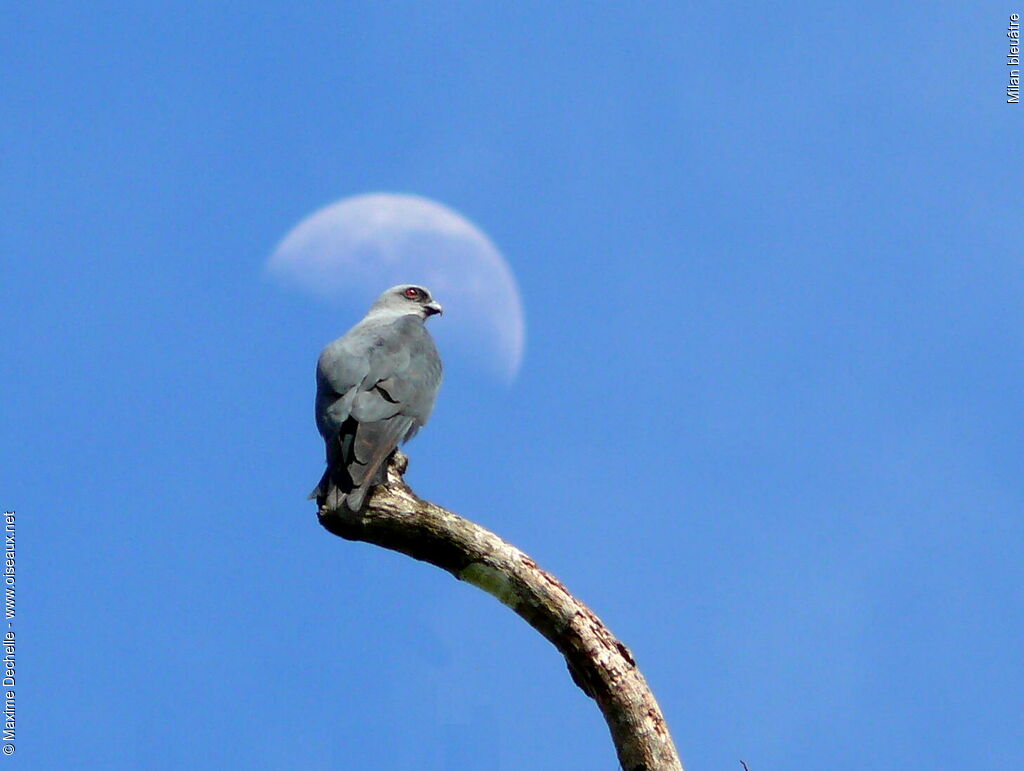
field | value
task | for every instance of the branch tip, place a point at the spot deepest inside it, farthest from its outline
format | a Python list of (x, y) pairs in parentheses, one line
[(601, 666)]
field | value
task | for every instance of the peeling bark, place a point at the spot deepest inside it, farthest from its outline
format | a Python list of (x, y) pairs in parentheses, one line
[(395, 518)]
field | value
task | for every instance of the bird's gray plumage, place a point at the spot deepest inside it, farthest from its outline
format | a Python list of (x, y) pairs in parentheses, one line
[(375, 388)]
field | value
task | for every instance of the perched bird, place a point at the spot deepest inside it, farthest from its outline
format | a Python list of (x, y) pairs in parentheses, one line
[(375, 387)]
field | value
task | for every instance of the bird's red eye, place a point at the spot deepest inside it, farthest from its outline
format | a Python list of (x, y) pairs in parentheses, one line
[(411, 293)]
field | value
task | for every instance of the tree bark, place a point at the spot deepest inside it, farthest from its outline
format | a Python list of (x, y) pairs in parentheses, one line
[(395, 518)]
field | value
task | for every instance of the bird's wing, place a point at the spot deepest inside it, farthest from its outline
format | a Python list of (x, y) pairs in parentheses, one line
[(394, 399), (374, 442), (341, 368), (403, 375)]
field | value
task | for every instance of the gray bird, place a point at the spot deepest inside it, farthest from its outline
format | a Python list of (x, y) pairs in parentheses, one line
[(375, 387)]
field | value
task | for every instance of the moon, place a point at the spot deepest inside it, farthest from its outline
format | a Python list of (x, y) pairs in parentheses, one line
[(350, 251)]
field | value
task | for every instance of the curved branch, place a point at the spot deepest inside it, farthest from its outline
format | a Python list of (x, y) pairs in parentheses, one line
[(395, 518)]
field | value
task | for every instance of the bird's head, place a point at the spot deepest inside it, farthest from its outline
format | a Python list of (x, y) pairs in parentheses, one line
[(407, 299)]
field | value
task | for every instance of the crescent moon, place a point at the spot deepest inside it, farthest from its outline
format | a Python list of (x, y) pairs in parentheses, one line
[(353, 249)]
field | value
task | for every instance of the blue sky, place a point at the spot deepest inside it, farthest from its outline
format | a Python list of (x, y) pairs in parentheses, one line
[(768, 423)]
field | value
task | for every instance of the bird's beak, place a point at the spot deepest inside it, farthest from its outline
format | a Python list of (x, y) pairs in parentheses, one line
[(434, 308)]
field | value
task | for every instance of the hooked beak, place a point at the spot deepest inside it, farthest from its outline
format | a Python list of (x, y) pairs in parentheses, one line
[(434, 308)]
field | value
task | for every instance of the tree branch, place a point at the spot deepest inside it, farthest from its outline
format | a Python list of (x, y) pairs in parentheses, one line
[(395, 518)]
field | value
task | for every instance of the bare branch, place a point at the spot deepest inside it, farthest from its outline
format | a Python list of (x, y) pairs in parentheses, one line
[(395, 518)]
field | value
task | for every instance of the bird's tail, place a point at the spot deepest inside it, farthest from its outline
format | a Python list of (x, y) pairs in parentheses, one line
[(348, 480), (321, 487), (331, 495), (354, 500)]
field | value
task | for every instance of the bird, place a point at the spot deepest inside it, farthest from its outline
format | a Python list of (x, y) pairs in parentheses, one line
[(375, 388)]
